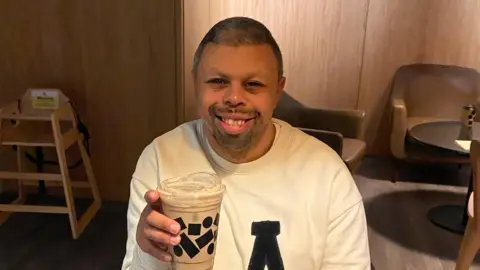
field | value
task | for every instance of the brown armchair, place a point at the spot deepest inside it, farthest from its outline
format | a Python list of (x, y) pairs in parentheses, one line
[(348, 123), (425, 93)]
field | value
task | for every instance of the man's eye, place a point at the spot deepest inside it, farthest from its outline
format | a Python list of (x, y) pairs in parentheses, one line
[(254, 84), (217, 81)]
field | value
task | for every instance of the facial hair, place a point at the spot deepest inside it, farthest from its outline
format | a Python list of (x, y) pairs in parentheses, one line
[(235, 142)]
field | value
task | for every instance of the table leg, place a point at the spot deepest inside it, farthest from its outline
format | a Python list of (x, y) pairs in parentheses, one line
[(452, 218)]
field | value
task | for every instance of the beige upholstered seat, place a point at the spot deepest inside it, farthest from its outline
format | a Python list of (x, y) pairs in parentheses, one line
[(353, 151)]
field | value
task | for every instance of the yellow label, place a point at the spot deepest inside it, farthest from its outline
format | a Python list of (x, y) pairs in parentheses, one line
[(45, 99)]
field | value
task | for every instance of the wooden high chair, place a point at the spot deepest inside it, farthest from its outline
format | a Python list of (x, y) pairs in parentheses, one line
[(19, 122)]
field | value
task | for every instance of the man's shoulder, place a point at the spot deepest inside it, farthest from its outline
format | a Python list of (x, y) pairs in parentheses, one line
[(316, 163), (177, 151), (184, 136), (183, 131)]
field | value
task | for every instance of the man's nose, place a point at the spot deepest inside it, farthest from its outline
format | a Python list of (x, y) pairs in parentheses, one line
[(235, 95)]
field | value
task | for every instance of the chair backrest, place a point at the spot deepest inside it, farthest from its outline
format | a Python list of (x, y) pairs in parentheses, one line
[(436, 90), (475, 158), (287, 109), (347, 122), (27, 99), (332, 139)]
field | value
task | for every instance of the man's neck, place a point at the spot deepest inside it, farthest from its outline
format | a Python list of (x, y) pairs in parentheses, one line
[(257, 150)]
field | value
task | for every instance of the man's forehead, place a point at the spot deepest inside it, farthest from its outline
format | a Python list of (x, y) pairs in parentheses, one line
[(255, 58), (213, 49)]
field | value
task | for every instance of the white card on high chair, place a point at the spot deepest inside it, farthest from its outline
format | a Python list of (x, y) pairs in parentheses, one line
[(45, 99)]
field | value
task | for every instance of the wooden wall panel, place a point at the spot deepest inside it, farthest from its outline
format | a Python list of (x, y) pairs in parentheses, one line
[(196, 22), (115, 59), (453, 33), (391, 41), (130, 66), (322, 44)]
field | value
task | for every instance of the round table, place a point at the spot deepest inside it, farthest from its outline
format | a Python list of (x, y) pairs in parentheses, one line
[(443, 135)]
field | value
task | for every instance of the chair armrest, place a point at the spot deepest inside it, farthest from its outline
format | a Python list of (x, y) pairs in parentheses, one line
[(332, 139), (350, 123), (399, 128)]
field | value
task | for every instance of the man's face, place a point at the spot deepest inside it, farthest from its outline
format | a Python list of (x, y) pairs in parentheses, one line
[(237, 90)]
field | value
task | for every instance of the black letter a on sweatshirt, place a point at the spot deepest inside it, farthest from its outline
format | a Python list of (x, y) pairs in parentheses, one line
[(265, 249)]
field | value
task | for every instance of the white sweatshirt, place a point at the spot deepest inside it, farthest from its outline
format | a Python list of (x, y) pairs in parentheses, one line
[(300, 182)]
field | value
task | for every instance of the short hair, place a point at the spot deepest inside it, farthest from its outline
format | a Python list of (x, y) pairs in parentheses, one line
[(236, 31)]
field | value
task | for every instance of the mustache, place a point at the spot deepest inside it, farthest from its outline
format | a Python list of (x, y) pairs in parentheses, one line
[(215, 110)]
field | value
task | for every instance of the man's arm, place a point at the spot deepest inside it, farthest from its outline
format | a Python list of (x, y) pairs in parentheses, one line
[(144, 178), (347, 240), (136, 205)]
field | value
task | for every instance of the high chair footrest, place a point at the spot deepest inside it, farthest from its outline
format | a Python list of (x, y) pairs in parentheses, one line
[(33, 208), (31, 176)]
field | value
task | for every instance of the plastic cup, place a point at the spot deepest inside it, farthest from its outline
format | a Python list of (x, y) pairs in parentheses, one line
[(194, 201)]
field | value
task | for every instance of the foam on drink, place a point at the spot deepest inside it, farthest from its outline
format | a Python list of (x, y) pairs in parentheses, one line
[(191, 189)]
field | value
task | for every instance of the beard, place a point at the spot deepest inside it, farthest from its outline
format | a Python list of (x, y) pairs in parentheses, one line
[(239, 142)]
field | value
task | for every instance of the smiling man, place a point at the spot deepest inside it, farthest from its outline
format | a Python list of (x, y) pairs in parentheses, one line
[(272, 171)]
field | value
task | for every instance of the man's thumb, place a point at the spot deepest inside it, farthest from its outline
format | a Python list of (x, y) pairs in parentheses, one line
[(152, 196)]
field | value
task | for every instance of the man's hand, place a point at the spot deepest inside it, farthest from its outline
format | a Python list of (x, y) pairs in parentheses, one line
[(155, 231)]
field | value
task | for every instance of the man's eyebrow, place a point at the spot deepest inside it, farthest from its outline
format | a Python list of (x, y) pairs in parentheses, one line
[(215, 72)]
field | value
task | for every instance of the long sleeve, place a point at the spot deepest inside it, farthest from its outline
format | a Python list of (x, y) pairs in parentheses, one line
[(347, 240), (144, 178)]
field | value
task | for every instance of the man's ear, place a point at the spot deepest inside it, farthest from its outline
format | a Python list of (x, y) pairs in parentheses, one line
[(280, 88), (281, 85), (194, 81)]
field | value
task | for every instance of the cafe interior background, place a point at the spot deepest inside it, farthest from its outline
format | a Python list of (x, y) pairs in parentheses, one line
[(125, 65)]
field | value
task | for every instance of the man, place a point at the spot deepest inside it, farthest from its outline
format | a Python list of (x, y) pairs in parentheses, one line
[(272, 171)]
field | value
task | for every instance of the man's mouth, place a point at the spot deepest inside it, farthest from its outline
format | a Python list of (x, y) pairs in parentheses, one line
[(234, 122), (234, 125)]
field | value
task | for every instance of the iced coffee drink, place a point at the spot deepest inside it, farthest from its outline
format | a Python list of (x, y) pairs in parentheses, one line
[(194, 201)]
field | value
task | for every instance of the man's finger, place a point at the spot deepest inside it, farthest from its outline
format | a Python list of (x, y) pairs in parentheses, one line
[(160, 246), (161, 222), (161, 237), (150, 248), (152, 196)]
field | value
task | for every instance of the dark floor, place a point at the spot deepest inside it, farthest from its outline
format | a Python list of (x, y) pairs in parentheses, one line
[(44, 241), (401, 237), (400, 234)]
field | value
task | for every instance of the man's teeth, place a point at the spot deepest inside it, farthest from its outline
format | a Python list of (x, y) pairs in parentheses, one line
[(232, 122)]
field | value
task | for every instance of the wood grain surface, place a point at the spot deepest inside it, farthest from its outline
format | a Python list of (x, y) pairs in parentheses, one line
[(115, 59)]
